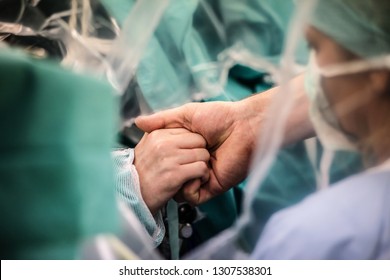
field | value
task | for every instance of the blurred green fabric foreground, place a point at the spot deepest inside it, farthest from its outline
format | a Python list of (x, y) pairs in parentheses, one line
[(56, 179)]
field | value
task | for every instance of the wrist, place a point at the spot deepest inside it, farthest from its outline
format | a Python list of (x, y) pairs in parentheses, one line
[(252, 114)]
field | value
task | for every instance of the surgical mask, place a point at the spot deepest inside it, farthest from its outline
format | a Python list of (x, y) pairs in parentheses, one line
[(322, 116)]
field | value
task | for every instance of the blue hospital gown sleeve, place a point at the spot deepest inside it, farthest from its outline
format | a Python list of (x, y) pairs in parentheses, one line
[(348, 221), (128, 189)]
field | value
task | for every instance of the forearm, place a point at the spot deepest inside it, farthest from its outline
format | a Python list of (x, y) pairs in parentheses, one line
[(298, 125)]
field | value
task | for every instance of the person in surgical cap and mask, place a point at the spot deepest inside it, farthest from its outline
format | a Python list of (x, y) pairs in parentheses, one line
[(348, 90), (348, 83)]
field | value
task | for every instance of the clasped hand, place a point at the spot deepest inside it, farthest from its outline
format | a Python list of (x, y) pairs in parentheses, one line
[(205, 159), (168, 160)]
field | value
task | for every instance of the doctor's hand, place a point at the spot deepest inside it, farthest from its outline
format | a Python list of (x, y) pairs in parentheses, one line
[(230, 129), (167, 160)]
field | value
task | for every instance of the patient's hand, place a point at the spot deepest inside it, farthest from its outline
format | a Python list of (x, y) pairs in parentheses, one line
[(168, 159)]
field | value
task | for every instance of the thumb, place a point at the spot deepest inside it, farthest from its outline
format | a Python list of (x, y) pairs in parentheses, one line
[(190, 192), (172, 118), (192, 185)]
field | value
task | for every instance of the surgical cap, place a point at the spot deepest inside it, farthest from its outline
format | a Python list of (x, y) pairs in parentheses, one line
[(360, 26)]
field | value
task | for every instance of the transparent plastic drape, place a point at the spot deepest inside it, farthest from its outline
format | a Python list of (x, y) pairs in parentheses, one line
[(337, 92), (162, 54), (83, 34), (228, 243), (198, 45), (192, 55), (86, 38), (131, 243)]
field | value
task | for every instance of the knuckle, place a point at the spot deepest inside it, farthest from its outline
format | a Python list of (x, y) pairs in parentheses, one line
[(203, 141), (161, 145), (166, 177), (203, 167), (200, 154), (153, 137), (154, 134), (206, 155)]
